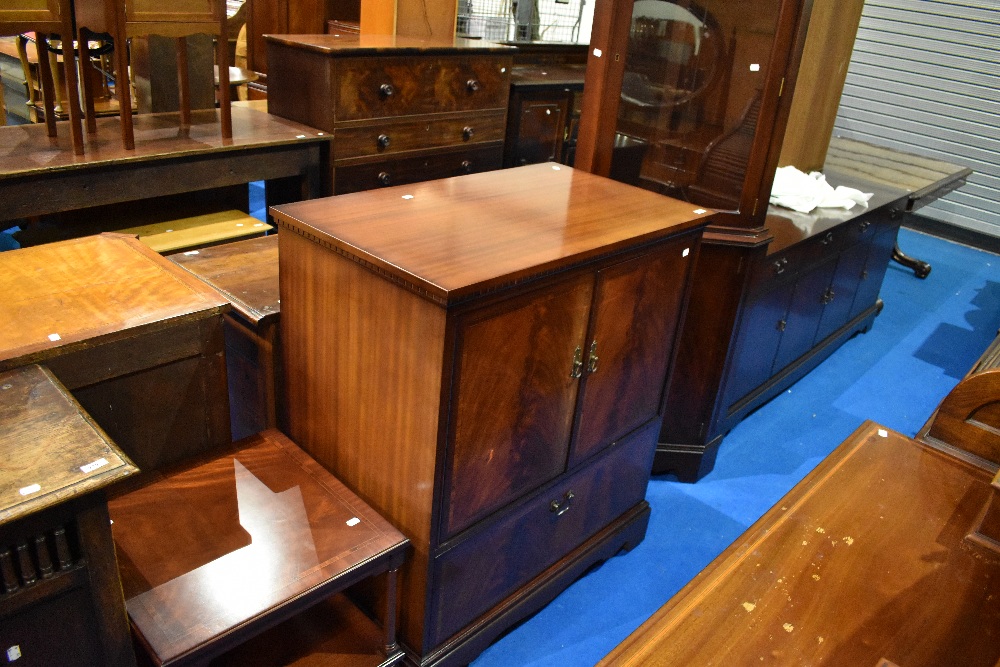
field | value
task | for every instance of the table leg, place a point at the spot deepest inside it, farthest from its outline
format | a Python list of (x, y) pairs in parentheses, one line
[(920, 268), (391, 645)]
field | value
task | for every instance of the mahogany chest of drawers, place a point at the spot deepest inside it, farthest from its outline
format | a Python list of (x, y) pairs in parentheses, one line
[(401, 110), (482, 359)]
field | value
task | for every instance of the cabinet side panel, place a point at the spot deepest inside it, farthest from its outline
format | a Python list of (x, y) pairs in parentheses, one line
[(363, 364)]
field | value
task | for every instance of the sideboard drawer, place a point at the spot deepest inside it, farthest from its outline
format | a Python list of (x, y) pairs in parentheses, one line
[(506, 553), (403, 171), (390, 138), (394, 86)]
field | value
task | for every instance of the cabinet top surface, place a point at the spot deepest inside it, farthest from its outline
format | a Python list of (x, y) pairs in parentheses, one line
[(51, 449), (460, 236), (344, 45), (878, 528), (790, 227), (60, 296), (212, 545), (245, 271)]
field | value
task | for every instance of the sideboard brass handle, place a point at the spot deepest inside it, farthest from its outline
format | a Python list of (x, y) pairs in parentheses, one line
[(592, 359), (577, 369), (560, 507)]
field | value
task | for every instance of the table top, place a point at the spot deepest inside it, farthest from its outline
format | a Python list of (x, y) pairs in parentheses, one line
[(246, 272), (26, 150), (865, 559), (51, 449), (209, 547), (452, 238), (63, 296), (920, 176)]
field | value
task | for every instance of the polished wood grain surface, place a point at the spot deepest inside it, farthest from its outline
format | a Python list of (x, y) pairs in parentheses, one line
[(68, 295), (24, 149), (52, 450), (472, 233), (918, 175), (363, 368), (865, 559), (245, 272), (216, 545), (378, 44)]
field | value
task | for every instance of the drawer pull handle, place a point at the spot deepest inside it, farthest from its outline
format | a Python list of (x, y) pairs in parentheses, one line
[(780, 265), (828, 239), (384, 178), (828, 296), (782, 324), (468, 132), (472, 85), (593, 358), (863, 226), (383, 141), (386, 90), (467, 166), (558, 507), (576, 371)]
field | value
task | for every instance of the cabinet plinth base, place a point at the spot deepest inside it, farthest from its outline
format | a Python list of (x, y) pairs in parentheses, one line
[(688, 463), (621, 535)]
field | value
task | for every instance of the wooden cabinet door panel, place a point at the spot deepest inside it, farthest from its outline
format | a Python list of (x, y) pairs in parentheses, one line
[(636, 310), (804, 314), (515, 398), (879, 253), (757, 345), (850, 264)]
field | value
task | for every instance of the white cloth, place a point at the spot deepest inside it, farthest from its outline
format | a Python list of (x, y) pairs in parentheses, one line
[(805, 192)]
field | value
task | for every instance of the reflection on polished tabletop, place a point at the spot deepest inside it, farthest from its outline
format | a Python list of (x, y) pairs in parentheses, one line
[(238, 542)]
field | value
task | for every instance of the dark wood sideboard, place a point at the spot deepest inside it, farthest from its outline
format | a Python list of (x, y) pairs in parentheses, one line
[(482, 359), (401, 109), (60, 598)]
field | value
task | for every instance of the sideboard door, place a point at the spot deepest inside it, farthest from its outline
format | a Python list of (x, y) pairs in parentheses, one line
[(515, 391), (636, 310)]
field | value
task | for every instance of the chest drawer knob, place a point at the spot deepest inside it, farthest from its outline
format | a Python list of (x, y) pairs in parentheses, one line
[(383, 141), (468, 133), (467, 166), (386, 90), (384, 178), (560, 507), (472, 85)]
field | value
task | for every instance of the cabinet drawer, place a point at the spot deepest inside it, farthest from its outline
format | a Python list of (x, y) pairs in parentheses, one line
[(402, 171), (393, 138), (790, 262), (506, 553), (394, 86)]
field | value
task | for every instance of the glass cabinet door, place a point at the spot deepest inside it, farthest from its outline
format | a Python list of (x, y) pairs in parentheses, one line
[(691, 94)]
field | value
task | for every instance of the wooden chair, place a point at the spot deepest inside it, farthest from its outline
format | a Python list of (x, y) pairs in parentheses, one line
[(48, 17), (141, 18)]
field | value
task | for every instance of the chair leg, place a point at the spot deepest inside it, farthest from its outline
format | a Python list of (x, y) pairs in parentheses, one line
[(225, 93), (87, 83), (72, 84), (123, 88), (48, 87), (183, 84)]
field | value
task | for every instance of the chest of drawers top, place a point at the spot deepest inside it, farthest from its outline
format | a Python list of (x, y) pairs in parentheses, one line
[(327, 81)]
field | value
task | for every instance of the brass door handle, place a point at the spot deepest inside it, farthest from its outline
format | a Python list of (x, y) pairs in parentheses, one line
[(576, 371), (592, 359)]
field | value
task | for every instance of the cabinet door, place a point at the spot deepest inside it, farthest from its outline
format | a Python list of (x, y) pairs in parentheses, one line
[(636, 309), (840, 296), (540, 124), (873, 272), (757, 345), (514, 394), (804, 314)]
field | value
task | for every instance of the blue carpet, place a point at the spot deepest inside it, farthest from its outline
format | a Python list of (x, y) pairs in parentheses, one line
[(927, 337)]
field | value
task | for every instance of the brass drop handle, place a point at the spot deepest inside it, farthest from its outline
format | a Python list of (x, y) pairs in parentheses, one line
[(472, 85), (468, 132), (577, 370), (386, 90), (593, 358), (384, 178), (782, 324), (828, 296), (863, 226), (383, 141), (780, 265), (560, 507), (828, 239)]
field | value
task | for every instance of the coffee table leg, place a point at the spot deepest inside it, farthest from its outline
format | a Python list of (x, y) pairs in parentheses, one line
[(391, 645)]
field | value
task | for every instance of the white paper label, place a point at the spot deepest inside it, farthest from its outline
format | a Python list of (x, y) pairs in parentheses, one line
[(54, 337), (699, 211), (353, 521), (90, 467), (13, 653), (28, 490), (191, 252), (598, 53), (882, 432), (686, 252)]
